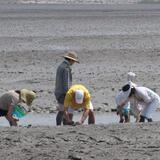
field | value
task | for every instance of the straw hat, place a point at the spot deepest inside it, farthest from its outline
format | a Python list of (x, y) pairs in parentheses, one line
[(27, 96), (72, 55)]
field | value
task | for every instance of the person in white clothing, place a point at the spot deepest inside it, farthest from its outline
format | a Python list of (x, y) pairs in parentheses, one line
[(124, 112), (142, 96)]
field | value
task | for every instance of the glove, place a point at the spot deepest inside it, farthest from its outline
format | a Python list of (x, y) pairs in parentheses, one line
[(70, 123), (78, 123)]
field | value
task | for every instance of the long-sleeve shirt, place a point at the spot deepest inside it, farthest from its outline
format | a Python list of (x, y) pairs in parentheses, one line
[(144, 95), (63, 79), (70, 98), (8, 99)]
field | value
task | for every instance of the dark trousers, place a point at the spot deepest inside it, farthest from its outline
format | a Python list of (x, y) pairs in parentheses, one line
[(3, 112), (59, 117), (91, 117), (142, 119)]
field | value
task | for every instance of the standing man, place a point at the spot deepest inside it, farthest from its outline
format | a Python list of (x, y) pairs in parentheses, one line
[(78, 97), (63, 82)]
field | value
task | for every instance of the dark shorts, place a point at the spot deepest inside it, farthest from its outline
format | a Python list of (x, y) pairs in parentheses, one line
[(3, 112)]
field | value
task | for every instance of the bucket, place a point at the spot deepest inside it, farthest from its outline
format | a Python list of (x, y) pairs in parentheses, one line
[(19, 111)]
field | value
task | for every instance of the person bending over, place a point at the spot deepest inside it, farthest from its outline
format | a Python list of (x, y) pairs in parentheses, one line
[(145, 97), (78, 97), (15, 98)]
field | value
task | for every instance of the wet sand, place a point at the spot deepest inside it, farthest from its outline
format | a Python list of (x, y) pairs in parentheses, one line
[(109, 44), (129, 141)]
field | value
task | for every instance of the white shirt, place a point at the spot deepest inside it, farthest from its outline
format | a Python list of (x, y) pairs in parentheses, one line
[(145, 95)]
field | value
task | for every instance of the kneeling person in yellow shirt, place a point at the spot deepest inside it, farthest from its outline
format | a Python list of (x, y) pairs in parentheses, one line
[(76, 98)]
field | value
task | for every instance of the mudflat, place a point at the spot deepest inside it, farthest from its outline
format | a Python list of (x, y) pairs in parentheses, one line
[(110, 42), (121, 141)]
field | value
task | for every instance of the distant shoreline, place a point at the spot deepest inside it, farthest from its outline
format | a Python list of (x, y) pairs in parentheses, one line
[(107, 2), (82, 1)]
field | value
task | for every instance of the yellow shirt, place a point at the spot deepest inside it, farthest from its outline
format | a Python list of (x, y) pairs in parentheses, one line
[(70, 98)]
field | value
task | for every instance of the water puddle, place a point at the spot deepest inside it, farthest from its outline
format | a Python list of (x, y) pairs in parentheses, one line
[(49, 119)]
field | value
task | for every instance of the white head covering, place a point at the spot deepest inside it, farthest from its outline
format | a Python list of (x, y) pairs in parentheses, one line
[(79, 96), (120, 98), (126, 89), (131, 76)]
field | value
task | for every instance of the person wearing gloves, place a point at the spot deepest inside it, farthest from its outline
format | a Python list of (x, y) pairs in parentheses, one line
[(13, 100), (63, 83), (142, 96), (78, 97)]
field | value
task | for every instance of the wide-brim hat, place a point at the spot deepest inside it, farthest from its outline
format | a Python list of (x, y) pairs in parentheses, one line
[(72, 55), (27, 96)]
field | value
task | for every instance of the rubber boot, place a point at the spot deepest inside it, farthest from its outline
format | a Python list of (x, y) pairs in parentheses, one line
[(59, 118), (64, 121), (150, 120), (127, 118), (91, 117), (121, 120), (142, 118)]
